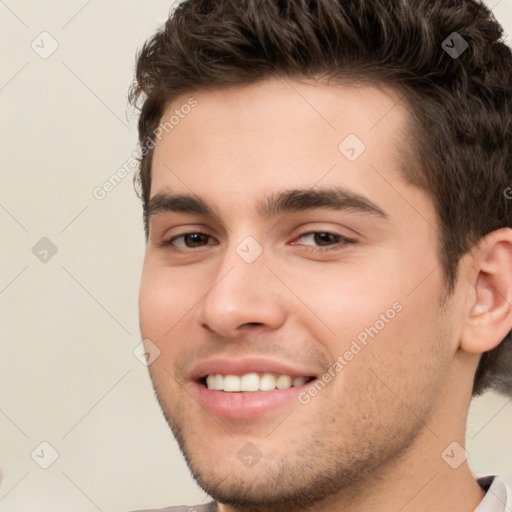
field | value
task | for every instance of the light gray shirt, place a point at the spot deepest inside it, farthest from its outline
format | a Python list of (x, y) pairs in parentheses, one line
[(496, 499)]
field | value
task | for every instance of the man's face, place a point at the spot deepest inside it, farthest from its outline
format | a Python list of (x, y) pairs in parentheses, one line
[(292, 291)]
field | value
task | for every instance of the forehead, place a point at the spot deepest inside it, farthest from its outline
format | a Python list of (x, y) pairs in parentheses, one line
[(291, 108), (239, 141)]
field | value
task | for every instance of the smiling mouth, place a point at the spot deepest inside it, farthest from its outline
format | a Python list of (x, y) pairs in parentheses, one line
[(252, 382)]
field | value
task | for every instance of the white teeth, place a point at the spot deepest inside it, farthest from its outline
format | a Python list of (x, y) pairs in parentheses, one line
[(252, 382), (284, 382), (298, 381), (219, 382), (215, 382), (267, 382), (231, 383), (210, 381)]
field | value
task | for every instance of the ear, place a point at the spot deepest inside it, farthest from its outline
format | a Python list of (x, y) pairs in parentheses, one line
[(488, 311)]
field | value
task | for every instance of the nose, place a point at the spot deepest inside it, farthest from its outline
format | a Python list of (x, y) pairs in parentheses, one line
[(242, 296)]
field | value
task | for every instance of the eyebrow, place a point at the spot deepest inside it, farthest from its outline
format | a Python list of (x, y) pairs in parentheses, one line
[(288, 201)]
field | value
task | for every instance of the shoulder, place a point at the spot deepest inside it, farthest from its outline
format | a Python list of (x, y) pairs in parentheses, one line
[(207, 507), (497, 497)]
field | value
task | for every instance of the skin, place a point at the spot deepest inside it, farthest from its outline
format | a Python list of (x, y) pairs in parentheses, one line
[(372, 439)]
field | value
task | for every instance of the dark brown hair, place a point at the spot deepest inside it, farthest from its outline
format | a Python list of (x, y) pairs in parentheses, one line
[(459, 103)]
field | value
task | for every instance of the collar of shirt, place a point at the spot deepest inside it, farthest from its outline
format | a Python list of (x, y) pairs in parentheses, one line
[(497, 497)]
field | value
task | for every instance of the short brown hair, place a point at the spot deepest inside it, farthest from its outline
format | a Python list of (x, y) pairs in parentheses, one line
[(459, 104)]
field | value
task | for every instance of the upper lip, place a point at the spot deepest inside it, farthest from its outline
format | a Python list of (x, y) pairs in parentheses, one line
[(241, 366)]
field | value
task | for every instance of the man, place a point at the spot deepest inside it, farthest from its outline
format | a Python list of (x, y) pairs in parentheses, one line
[(328, 274)]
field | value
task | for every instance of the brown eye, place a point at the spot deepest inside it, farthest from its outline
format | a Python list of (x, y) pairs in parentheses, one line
[(324, 241), (190, 240)]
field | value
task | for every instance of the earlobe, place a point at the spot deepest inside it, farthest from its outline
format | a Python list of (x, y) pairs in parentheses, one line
[(489, 318)]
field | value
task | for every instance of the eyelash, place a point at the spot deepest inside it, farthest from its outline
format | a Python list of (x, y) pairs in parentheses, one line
[(342, 242), (312, 249)]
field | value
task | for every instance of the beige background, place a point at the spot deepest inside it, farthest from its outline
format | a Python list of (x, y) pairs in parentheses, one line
[(69, 325)]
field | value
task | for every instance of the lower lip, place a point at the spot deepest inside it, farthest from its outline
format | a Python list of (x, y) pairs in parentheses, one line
[(245, 405)]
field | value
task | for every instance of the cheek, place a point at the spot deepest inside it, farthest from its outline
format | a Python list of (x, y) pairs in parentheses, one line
[(152, 303), (407, 350), (396, 374), (164, 299), (382, 312), (161, 306), (341, 298)]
